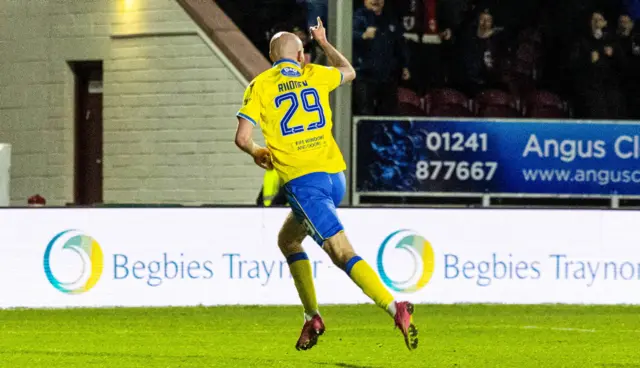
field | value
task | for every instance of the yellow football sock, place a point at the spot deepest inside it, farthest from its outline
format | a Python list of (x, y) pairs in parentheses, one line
[(300, 269), (366, 278)]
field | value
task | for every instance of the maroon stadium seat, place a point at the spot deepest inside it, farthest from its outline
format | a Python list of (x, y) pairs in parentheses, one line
[(544, 99), (494, 98), (409, 103), (444, 97), (541, 100)]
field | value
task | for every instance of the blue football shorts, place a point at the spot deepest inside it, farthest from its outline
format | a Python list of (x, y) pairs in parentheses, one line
[(313, 199)]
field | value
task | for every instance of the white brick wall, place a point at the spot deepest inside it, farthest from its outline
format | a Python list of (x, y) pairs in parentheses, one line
[(169, 103)]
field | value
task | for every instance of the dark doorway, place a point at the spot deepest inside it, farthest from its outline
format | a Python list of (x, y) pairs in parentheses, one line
[(88, 132)]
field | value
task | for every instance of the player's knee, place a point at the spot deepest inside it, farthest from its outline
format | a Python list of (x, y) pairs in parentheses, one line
[(288, 245), (284, 242), (339, 249)]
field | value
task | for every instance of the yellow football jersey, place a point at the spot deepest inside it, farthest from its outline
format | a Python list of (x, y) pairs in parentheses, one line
[(291, 105)]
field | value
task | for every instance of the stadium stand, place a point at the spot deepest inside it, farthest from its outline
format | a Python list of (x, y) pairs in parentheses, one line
[(533, 52)]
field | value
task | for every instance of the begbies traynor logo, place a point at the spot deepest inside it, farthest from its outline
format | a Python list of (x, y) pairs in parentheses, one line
[(90, 254), (423, 261)]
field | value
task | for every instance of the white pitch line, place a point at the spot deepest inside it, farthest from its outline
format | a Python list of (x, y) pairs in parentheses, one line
[(559, 329), (517, 327)]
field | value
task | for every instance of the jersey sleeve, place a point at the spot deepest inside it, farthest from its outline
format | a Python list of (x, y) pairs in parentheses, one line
[(332, 75), (251, 105)]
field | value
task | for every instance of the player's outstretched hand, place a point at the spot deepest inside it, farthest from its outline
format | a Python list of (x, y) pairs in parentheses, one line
[(262, 158), (318, 32)]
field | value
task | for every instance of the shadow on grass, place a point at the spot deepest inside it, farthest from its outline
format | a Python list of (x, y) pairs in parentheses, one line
[(63, 353), (345, 365)]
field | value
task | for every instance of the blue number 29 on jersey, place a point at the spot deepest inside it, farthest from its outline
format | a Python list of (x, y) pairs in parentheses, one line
[(306, 95)]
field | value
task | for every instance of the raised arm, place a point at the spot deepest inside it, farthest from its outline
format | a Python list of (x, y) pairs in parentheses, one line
[(336, 59)]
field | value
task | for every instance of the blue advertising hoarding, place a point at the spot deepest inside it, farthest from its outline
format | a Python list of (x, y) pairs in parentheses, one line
[(506, 157)]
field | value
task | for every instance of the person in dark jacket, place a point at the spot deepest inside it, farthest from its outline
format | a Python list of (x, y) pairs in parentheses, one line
[(599, 63), (480, 55), (381, 59), (427, 27), (629, 41)]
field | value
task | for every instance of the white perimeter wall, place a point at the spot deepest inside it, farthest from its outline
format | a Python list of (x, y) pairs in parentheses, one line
[(218, 256)]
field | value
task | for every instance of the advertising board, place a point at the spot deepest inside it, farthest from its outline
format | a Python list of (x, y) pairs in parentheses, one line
[(524, 157), (229, 256)]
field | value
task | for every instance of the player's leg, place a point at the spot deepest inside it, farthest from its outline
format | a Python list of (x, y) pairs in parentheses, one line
[(343, 255), (314, 198), (290, 240)]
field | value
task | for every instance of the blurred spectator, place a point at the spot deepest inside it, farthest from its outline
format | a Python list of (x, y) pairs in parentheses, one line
[(427, 26), (598, 62), (627, 35), (453, 44), (380, 59), (479, 57), (563, 23), (523, 66), (630, 44)]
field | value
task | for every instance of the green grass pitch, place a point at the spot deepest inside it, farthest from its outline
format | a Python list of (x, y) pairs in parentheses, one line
[(357, 337)]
